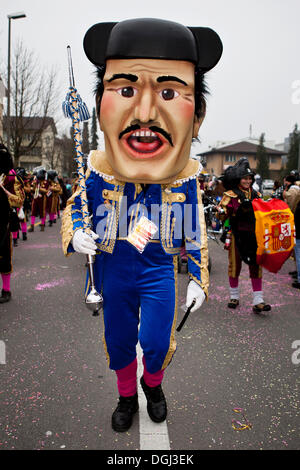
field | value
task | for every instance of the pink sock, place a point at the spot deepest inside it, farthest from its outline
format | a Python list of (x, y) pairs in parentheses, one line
[(32, 220), (52, 217), (127, 380), (6, 282), (15, 235), (24, 227), (152, 380), (43, 221), (256, 284), (233, 282)]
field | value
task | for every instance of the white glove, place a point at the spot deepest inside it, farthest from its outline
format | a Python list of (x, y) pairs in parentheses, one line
[(84, 243), (194, 291)]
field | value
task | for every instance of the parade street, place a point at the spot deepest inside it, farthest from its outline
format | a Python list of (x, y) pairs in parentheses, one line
[(58, 393)]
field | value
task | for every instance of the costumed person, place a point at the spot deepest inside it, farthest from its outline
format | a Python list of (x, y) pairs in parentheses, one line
[(39, 190), (21, 173), (236, 208), (15, 186), (65, 193), (296, 282), (291, 192), (203, 183), (11, 197), (54, 191), (291, 195), (150, 104)]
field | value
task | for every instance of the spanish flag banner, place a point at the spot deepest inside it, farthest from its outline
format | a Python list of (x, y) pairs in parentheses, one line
[(275, 233)]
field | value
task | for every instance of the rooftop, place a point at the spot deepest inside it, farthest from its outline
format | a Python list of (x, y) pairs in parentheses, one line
[(243, 146)]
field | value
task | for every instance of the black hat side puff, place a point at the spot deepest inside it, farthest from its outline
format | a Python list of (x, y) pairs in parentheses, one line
[(233, 174), (6, 161)]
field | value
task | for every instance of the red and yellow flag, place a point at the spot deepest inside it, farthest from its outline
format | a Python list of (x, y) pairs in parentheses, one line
[(275, 233)]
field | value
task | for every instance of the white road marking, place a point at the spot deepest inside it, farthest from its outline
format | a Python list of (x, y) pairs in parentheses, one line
[(153, 436)]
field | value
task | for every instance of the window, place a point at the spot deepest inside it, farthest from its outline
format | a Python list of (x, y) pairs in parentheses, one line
[(230, 158), (35, 152)]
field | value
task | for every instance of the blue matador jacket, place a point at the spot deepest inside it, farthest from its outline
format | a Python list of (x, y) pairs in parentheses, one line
[(176, 209)]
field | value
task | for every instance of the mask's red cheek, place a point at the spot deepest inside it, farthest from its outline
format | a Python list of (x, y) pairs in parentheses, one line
[(187, 110), (108, 106)]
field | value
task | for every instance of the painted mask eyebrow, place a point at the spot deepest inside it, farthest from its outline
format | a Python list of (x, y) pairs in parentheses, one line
[(170, 78), (127, 76)]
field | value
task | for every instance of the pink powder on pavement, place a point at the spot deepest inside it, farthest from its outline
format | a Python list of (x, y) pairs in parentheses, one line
[(49, 285)]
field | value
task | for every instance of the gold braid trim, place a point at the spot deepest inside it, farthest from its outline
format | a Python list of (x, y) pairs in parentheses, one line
[(17, 199), (67, 229), (172, 346), (204, 246)]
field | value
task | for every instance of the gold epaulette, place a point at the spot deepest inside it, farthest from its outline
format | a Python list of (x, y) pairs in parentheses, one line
[(230, 193)]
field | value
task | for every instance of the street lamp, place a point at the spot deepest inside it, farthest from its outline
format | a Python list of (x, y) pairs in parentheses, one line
[(13, 16)]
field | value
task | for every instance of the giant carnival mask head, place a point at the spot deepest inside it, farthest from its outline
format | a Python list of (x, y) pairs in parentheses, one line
[(150, 94)]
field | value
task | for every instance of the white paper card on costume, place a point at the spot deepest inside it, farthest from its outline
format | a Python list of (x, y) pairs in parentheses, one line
[(142, 233)]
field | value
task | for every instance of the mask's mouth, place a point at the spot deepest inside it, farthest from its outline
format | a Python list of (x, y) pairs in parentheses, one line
[(144, 141)]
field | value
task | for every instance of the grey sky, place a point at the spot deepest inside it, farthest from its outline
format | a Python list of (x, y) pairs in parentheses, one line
[(252, 84)]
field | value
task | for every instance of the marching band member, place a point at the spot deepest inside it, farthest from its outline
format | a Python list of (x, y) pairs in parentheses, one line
[(11, 198), (39, 190)]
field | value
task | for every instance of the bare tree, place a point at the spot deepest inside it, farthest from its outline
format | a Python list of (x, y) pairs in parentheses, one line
[(33, 94), (69, 154)]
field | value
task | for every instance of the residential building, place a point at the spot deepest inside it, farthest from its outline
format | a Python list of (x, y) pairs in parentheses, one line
[(47, 149), (217, 159)]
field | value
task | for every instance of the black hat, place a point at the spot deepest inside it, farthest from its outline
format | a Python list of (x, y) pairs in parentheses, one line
[(21, 172), (41, 174), (233, 174), (151, 38), (291, 179), (6, 162), (51, 174)]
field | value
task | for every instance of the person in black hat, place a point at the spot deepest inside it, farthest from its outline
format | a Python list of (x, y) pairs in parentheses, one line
[(150, 100), (54, 191), (24, 177), (11, 198), (39, 190), (236, 206)]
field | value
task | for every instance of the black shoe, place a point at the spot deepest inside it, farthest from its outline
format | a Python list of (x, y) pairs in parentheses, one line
[(24, 235), (5, 297), (261, 308), (54, 221), (296, 284), (31, 228), (292, 273), (42, 228), (295, 276), (156, 402), (233, 303), (50, 223), (121, 419), (15, 240)]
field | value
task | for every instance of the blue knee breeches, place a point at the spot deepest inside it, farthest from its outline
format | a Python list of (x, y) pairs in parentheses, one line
[(140, 303)]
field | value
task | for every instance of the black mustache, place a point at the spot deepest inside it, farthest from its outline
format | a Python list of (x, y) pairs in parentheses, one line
[(159, 130), (134, 127), (162, 132)]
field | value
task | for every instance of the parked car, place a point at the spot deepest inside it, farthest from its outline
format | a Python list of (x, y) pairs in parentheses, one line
[(268, 184)]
